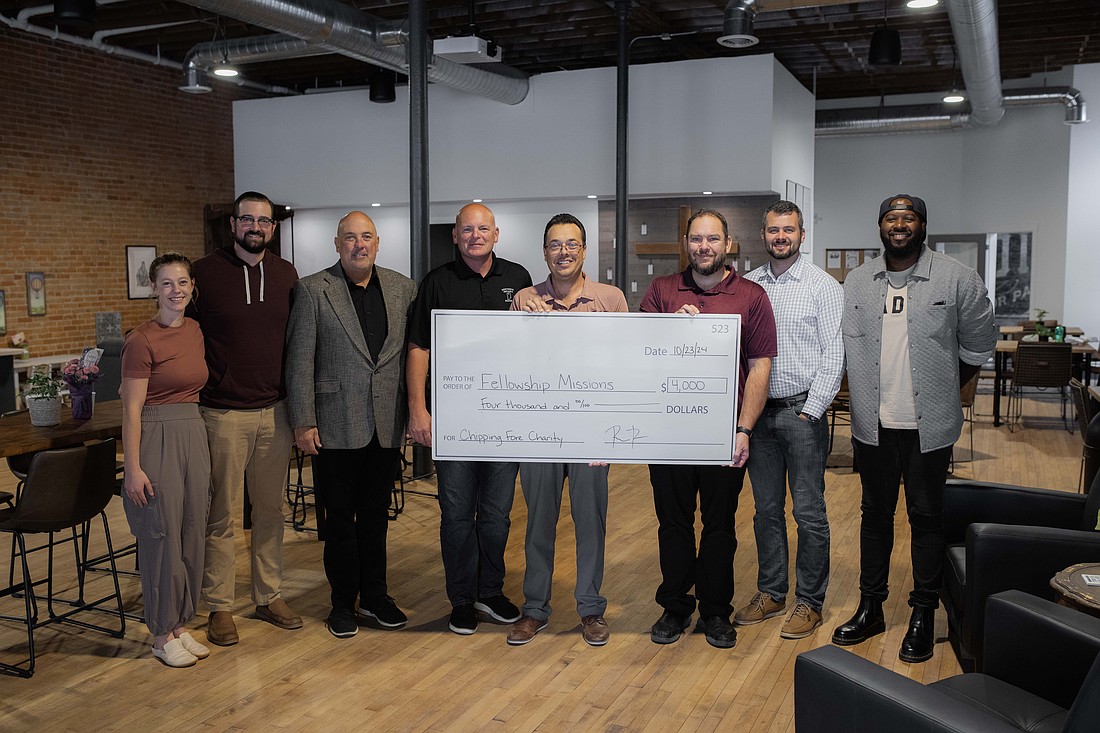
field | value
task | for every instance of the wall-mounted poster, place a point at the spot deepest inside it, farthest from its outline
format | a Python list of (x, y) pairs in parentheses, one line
[(36, 293), (3, 315), (138, 259)]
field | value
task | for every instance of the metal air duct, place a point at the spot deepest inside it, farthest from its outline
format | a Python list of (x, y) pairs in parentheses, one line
[(340, 28), (737, 24), (974, 25), (240, 51), (934, 118)]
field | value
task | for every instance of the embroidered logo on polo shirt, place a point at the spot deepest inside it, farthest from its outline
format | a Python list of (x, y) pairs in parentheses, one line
[(508, 293)]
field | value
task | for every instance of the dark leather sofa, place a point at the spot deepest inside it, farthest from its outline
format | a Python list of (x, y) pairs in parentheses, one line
[(1042, 676), (1003, 537)]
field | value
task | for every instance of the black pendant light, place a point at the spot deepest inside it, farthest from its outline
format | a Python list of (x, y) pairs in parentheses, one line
[(885, 44), (74, 12), (382, 85)]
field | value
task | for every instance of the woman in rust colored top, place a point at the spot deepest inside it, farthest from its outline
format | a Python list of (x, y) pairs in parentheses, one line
[(166, 489)]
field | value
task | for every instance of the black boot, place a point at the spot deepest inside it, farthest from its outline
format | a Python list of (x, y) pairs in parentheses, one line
[(867, 622), (920, 638)]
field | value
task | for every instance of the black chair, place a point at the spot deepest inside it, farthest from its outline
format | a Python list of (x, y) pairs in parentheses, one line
[(1003, 537), (1042, 366), (967, 395), (64, 491), (1042, 675), (1082, 404), (299, 494)]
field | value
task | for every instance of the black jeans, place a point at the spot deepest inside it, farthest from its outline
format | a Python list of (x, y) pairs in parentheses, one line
[(881, 469), (354, 487), (710, 570)]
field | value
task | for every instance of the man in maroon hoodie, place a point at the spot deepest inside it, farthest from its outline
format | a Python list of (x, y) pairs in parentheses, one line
[(243, 304)]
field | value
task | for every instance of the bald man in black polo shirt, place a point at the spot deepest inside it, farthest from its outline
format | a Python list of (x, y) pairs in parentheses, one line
[(475, 497)]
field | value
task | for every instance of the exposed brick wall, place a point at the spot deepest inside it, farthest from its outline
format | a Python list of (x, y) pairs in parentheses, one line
[(97, 153)]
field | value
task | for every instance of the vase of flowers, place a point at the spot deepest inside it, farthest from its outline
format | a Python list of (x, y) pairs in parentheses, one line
[(80, 379), (43, 399)]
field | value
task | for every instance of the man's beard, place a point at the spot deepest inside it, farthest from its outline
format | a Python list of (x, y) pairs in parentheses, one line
[(911, 248), (718, 264), (248, 246), (791, 252)]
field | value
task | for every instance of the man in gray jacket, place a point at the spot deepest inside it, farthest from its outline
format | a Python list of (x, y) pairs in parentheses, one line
[(346, 399), (917, 324)]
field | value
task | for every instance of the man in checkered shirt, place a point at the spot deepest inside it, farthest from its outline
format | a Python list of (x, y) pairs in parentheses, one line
[(791, 441)]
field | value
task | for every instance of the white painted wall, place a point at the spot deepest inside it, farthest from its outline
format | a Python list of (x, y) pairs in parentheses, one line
[(1007, 178), (694, 125), (792, 123), (1082, 272)]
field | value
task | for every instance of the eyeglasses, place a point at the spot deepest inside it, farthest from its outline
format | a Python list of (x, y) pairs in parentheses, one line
[(567, 246), (249, 220)]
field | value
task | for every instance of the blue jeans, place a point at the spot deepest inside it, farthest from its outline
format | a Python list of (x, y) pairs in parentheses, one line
[(475, 504), (785, 448)]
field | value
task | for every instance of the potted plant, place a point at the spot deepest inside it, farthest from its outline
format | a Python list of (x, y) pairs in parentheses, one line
[(43, 399), (1042, 330)]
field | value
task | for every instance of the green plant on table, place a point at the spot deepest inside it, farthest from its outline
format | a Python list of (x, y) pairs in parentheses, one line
[(1044, 331), (42, 386)]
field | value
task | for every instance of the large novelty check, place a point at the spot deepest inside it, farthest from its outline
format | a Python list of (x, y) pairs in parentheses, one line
[(579, 387)]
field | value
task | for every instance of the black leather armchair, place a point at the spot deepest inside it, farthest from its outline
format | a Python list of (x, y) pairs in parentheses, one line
[(1042, 675), (1008, 537)]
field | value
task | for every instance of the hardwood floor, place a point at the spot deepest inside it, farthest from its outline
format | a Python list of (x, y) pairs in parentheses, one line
[(425, 678)]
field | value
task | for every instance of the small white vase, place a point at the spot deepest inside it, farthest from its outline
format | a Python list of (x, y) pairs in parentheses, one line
[(44, 411)]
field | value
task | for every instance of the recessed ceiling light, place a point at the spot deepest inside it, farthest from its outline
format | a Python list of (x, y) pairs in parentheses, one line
[(477, 201), (707, 193), (591, 195), (376, 204), (922, 3)]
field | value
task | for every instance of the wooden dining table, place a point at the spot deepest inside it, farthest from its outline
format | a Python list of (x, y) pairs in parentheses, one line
[(17, 435), (1005, 349)]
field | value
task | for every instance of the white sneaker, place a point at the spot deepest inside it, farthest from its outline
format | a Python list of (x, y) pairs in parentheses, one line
[(199, 651), (175, 655)]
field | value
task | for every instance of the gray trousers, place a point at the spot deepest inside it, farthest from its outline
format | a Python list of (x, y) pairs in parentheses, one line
[(542, 488), (171, 528)]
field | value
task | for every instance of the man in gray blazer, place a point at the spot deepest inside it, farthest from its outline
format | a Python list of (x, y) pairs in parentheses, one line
[(346, 399)]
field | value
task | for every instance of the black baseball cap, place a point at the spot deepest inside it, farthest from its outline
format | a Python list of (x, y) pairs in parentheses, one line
[(919, 208)]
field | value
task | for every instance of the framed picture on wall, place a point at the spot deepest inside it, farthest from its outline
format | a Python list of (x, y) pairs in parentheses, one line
[(138, 259), (36, 293), (3, 315)]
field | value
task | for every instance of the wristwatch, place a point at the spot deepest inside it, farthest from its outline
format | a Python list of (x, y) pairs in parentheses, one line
[(746, 431)]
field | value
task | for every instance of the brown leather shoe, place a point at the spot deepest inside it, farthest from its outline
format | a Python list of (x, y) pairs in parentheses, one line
[(525, 629), (802, 622), (760, 607), (594, 630), (279, 614), (221, 630)]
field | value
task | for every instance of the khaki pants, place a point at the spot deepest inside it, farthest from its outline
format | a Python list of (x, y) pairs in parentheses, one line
[(252, 445)]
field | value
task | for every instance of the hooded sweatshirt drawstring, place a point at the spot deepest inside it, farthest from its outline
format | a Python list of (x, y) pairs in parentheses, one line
[(248, 288)]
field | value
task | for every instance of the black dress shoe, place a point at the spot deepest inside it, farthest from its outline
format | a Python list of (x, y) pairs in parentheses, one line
[(718, 631), (669, 627), (867, 622), (920, 638)]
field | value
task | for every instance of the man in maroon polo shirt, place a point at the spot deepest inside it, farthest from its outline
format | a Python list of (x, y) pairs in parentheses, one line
[(708, 286)]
